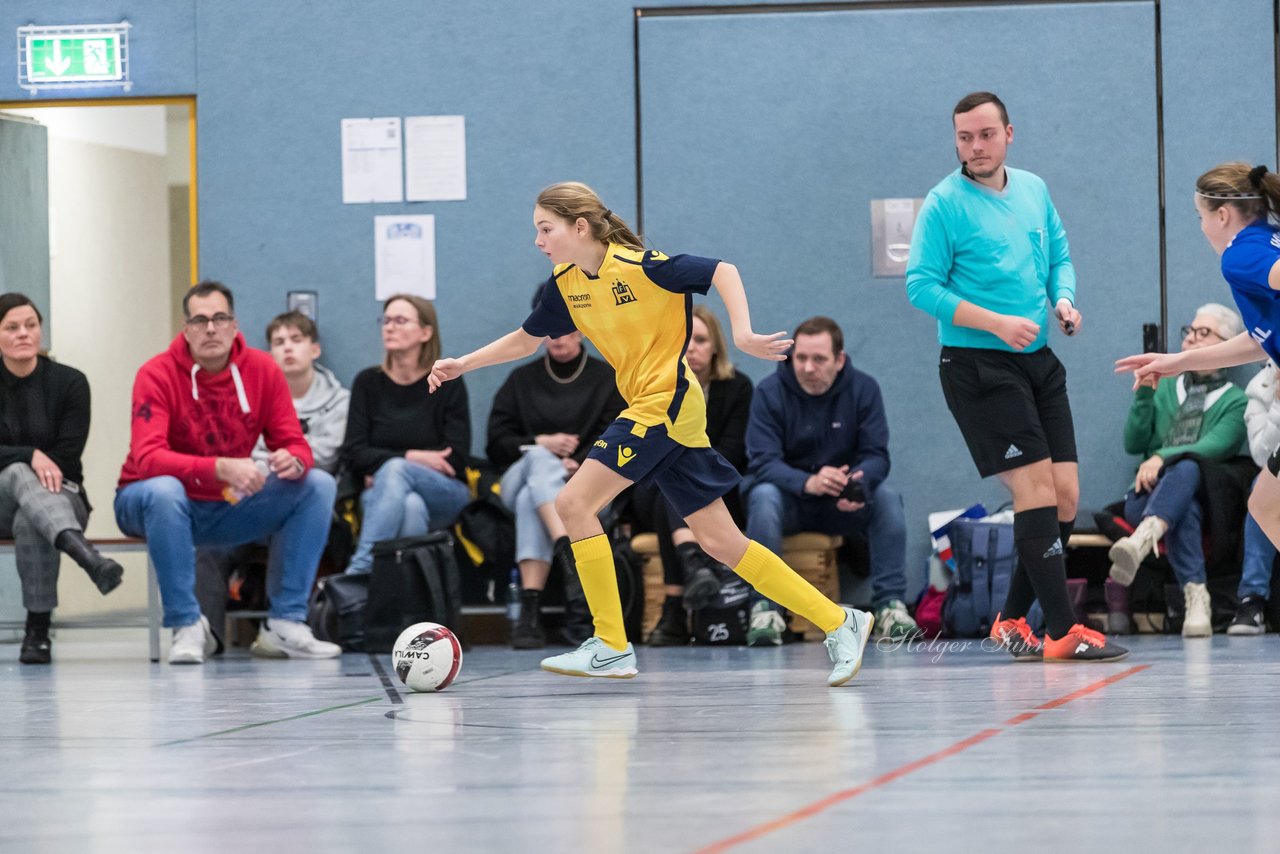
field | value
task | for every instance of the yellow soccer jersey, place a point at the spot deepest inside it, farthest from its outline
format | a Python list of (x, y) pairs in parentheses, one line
[(637, 312)]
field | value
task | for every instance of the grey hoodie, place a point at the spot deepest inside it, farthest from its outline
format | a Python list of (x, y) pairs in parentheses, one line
[(323, 413)]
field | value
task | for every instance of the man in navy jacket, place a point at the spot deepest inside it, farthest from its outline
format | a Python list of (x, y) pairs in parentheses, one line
[(818, 456)]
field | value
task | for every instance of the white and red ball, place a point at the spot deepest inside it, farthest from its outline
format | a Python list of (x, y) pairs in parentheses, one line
[(427, 657)]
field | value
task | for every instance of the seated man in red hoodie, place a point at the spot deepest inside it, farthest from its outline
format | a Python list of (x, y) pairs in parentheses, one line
[(198, 409)]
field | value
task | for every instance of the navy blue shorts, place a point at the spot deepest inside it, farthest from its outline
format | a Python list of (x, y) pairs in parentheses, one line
[(690, 478)]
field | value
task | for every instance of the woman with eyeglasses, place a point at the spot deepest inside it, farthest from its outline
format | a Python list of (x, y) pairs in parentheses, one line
[(1180, 426), (44, 424), (408, 447)]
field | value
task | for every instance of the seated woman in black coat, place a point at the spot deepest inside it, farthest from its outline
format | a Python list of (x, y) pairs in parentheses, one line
[(408, 447), (687, 571), (44, 423)]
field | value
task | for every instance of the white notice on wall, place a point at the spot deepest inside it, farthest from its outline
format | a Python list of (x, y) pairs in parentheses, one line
[(372, 161), (435, 158), (405, 256)]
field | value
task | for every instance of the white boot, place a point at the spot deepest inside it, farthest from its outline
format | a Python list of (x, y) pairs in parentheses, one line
[(1127, 553), (1198, 622)]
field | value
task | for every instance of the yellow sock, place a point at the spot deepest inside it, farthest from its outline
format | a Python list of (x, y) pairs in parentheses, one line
[(767, 572), (594, 557)]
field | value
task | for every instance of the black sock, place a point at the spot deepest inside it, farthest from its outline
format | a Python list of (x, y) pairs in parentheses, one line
[(39, 620), (1021, 594), (530, 598), (1037, 536)]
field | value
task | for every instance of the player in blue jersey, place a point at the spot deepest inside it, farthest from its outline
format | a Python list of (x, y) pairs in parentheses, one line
[(635, 305), (988, 257), (1239, 208)]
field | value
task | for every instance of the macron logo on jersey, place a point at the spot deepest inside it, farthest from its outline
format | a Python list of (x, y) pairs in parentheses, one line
[(1260, 335)]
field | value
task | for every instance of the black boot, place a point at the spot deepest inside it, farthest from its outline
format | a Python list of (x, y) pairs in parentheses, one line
[(578, 625), (673, 625), (104, 571), (36, 646), (528, 633), (701, 584)]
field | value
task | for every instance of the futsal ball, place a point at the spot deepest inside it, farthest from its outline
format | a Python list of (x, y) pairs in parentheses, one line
[(427, 657)]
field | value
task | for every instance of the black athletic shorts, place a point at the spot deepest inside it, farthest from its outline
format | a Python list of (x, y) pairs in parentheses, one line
[(1012, 408)]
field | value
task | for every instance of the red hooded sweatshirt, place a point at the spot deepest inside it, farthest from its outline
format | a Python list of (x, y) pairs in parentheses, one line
[(184, 418)]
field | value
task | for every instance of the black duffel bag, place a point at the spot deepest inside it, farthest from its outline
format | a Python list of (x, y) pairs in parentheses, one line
[(414, 580), (336, 610)]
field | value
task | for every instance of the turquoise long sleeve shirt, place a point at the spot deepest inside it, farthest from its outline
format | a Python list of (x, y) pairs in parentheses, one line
[(1003, 250)]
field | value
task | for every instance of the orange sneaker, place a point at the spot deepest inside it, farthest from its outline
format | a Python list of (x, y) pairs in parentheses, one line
[(1016, 636), (1082, 644)]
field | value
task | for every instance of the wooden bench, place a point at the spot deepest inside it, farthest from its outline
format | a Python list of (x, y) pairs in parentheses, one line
[(153, 616), (811, 555)]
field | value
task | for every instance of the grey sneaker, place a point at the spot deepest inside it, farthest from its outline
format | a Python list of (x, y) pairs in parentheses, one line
[(893, 621), (846, 644), (766, 627)]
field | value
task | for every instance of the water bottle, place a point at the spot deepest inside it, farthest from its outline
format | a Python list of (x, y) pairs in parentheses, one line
[(513, 596)]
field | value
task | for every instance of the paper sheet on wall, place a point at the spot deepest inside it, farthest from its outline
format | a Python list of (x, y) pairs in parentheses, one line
[(372, 161), (435, 158), (405, 256)]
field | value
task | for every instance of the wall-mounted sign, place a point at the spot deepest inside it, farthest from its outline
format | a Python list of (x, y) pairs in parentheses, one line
[(891, 223), (74, 56)]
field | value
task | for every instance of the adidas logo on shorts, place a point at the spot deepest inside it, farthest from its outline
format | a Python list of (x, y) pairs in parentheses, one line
[(1012, 452), (1055, 549)]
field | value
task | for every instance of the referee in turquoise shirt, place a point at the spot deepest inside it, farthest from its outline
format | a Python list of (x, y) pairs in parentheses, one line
[(988, 256)]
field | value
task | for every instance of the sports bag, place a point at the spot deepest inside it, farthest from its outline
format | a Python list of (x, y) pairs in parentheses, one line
[(985, 557), (335, 612), (414, 580)]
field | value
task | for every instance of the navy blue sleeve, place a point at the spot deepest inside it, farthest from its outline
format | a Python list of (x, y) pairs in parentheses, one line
[(681, 274), (550, 317)]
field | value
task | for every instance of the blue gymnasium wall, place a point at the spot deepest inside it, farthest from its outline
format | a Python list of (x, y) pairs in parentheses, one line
[(547, 91)]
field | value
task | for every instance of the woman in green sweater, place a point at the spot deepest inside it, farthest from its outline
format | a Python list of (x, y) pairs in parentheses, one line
[(1188, 419)]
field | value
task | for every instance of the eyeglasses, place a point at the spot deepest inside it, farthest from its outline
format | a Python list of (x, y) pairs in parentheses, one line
[(219, 321), (1199, 333), (398, 322)]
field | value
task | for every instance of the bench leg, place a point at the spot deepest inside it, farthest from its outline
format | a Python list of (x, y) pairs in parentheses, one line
[(153, 610)]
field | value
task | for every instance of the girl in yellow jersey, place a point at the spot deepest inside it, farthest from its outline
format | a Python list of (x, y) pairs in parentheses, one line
[(635, 306)]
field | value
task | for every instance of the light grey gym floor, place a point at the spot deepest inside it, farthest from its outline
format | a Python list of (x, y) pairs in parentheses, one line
[(937, 749)]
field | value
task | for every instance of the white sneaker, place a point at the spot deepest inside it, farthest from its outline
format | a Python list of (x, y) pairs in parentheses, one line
[(1198, 622), (1127, 553), (192, 644), (290, 639)]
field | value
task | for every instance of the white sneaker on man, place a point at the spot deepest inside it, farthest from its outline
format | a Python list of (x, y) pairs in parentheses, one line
[(290, 639), (192, 644), (1198, 622), (1127, 553)]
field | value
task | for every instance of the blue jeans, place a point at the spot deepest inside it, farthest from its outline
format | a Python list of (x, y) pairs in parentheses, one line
[(532, 481), (406, 500), (1259, 555), (1174, 501), (293, 514), (773, 514)]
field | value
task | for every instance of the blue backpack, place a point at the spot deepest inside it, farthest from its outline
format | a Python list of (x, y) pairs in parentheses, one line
[(985, 557)]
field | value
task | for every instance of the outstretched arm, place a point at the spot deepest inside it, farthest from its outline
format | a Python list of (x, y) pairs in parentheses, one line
[(1240, 350), (508, 348), (728, 284)]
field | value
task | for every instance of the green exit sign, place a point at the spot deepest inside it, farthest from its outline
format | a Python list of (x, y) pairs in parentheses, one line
[(74, 56)]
